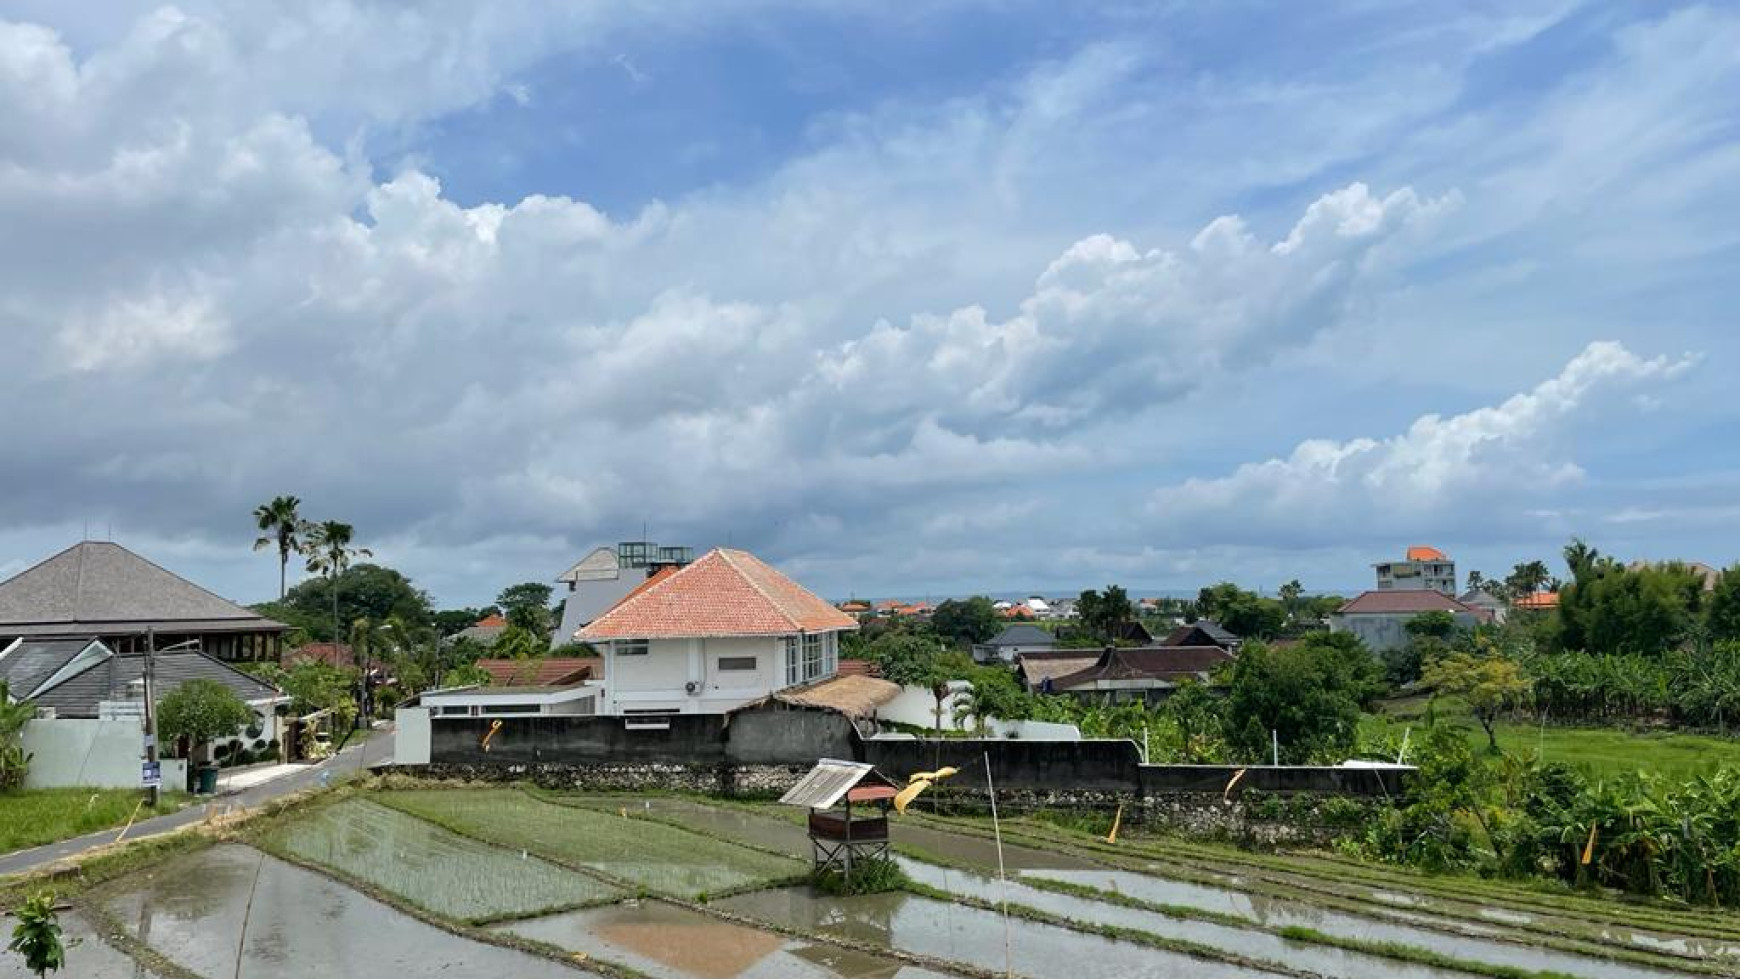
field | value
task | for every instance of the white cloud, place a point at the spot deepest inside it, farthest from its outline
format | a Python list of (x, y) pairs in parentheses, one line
[(1442, 474)]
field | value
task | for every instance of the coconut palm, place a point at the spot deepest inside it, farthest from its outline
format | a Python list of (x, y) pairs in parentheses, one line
[(282, 526), (327, 545)]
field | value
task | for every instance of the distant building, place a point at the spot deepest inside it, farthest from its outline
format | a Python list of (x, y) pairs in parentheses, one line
[(1380, 618), (101, 590), (1012, 642), (601, 579), (1480, 598), (484, 631), (712, 636), (1425, 568), (1122, 674), (1203, 632), (1702, 571), (1541, 601)]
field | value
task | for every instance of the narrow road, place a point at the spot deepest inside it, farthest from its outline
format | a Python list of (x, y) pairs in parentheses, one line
[(352, 759)]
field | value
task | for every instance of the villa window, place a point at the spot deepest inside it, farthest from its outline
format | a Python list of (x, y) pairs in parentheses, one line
[(737, 664), (630, 647), (793, 666), (814, 643)]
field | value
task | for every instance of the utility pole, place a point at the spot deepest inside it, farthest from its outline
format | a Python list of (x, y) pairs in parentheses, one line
[(154, 789)]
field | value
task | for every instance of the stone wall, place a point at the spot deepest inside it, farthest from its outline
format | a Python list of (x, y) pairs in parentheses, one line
[(743, 781)]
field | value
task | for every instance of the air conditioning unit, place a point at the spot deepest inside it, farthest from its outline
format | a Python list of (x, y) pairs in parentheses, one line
[(692, 687)]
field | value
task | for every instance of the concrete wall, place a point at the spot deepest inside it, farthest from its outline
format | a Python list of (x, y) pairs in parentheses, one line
[(411, 736), (67, 751), (1108, 766), (1319, 779), (916, 706), (771, 735)]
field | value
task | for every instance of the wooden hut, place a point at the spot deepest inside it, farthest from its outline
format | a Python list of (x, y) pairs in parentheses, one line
[(838, 836)]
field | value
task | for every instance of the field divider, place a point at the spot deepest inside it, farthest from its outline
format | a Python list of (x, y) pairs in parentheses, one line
[(1588, 944)]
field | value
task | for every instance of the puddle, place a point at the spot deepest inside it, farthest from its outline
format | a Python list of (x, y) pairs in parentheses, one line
[(425, 864), (1280, 913), (87, 956), (669, 942), (656, 856), (981, 852), (299, 924), (970, 936)]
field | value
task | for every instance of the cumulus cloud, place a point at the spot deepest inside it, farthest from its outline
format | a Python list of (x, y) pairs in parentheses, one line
[(1442, 474)]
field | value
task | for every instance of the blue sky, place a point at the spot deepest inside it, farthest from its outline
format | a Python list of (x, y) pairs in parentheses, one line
[(978, 296)]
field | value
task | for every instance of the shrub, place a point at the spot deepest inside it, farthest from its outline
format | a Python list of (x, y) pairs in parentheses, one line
[(868, 877)]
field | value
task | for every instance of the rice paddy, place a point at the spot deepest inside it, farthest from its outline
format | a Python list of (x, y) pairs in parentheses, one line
[(444, 872), (659, 858), (506, 881)]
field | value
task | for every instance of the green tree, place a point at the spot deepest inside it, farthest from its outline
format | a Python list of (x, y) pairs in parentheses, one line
[(527, 605), (1722, 614), (1527, 578), (966, 621), (361, 591), (1101, 613), (14, 763), (1438, 624), (1490, 682), (1196, 712), (466, 675), (37, 936), (330, 552), (202, 710), (448, 621), (1308, 696), (518, 642), (1243, 612), (281, 527), (1291, 593)]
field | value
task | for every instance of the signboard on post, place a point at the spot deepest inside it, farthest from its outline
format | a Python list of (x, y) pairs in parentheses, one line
[(152, 774)]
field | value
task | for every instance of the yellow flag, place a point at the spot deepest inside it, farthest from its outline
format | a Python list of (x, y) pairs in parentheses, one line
[(905, 796), (1589, 847), (935, 776), (1227, 792)]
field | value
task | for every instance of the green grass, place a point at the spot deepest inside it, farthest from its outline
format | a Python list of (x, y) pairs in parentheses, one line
[(39, 816), (1604, 752), (646, 853), (448, 874)]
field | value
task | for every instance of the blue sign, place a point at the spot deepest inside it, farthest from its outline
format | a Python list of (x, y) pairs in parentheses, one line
[(152, 774)]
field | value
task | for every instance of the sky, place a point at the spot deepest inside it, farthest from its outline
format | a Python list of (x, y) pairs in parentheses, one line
[(908, 299)]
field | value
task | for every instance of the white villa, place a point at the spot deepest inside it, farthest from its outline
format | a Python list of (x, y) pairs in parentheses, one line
[(709, 637)]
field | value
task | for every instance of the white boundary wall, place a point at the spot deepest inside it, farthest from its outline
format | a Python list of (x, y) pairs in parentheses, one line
[(67, 751), (411, 736)]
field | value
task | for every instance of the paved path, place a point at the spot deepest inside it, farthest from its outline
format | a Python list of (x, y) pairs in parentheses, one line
[(371, 752)]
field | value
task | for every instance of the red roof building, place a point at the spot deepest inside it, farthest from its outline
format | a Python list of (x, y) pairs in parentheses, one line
[(725, 593), (712, 636), (548, 672), (1380, 618)]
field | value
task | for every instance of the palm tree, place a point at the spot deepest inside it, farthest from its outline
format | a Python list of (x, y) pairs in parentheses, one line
[(329, 552), (280, 524)]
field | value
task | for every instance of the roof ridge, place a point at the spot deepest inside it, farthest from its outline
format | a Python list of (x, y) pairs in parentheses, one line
[(779, 606)]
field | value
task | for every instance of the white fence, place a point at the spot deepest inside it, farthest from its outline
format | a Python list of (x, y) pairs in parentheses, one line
[(918, 707)]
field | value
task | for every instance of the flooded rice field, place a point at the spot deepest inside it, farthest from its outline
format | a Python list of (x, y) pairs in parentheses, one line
[(431, 867), (204, 911), (669, 942), (555, 876), (645, 853), (969, 935), (87, 955)]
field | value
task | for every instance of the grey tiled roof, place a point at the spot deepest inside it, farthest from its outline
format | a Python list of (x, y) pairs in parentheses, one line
[(1023, 635), (27, 664), (97, 587), (110, 679)]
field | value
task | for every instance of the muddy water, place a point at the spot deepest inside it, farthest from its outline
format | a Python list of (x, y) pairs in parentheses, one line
[(87, 956), (429, 866), (298, 924), (669, 942), (1278, 913), (970, 936)]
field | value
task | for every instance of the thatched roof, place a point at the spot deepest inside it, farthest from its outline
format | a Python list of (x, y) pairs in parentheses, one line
[(854, 696)]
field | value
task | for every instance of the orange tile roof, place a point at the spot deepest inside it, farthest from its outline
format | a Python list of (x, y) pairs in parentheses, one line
[(725, 593), (1546, 599), (551, 671), (490, 622), (1421, 552)]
